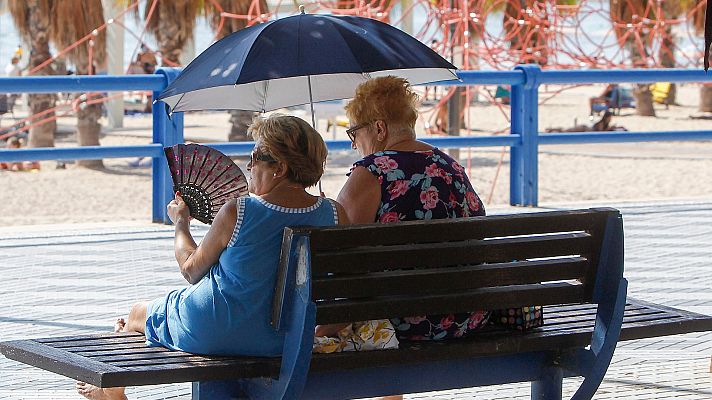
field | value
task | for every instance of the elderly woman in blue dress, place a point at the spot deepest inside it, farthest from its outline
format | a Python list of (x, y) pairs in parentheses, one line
[(226, 310)]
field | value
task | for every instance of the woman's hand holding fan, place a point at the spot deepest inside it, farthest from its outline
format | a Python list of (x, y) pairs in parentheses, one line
[(178, 209), (205, 178)]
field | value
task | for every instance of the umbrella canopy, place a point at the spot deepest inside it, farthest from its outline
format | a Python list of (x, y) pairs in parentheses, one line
[(298, 60)]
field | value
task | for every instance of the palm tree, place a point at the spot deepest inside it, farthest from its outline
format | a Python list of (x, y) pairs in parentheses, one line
[(172, 23), (31, 19), (240, 120), (71, 21), (625, 12)]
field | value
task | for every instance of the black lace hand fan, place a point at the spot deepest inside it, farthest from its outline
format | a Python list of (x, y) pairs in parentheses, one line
[(205, 178)]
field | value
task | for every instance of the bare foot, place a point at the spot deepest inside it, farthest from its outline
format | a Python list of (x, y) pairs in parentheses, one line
[(119, 325), (96, 393), (92, 392)]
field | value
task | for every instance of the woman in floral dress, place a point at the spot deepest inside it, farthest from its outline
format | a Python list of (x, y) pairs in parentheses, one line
[(403, 179)]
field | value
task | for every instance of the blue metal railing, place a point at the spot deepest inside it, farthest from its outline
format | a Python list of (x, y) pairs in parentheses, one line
[(523, 140)]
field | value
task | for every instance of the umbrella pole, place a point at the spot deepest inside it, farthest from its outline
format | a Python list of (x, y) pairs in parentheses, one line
[(311, 102), (311, 106)]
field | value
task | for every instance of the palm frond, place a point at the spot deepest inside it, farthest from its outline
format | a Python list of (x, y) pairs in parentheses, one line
[(71, 21)]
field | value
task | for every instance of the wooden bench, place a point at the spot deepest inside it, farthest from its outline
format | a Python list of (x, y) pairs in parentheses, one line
[(569, 262)]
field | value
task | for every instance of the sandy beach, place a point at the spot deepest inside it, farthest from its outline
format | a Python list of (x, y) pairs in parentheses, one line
[(587, 173)]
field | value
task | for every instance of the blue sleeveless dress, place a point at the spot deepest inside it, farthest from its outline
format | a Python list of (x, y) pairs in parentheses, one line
[(228, 311)]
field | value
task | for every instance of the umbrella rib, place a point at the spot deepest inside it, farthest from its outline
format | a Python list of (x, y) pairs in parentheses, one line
[(264, 97), (179, 100)]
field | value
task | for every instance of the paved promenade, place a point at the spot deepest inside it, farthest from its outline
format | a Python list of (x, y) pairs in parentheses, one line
[(64, 280)]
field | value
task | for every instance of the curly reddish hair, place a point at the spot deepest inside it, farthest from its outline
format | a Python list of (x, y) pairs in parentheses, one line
[(387, 98)]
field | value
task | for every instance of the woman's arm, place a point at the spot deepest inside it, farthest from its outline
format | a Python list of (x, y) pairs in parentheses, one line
[(360, 196), (195, 260), (341, 213)]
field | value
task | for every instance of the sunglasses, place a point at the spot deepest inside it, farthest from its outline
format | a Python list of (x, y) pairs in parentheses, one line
[(255, 156), (351, 132)]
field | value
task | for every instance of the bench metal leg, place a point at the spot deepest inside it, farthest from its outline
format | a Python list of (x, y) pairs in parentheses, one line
[(210, 390), (549, 387)]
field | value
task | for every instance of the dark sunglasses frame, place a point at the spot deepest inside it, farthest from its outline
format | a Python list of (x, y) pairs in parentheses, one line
[(352, 131), (255, 156)]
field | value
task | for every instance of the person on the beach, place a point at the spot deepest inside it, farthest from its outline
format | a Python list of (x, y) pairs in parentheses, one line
[(402, 179), (226, 310), (13, 143), (13, 70)]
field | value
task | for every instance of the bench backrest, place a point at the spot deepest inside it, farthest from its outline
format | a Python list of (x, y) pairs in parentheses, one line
[(362, 272)]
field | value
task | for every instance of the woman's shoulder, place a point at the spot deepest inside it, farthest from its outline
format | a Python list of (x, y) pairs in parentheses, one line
[(380, 156)]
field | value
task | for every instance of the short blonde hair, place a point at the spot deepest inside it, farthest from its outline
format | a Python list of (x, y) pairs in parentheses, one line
[(387, 98), (294, 142)]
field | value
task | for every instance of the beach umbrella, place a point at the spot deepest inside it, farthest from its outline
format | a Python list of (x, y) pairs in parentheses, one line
[(300, 59)]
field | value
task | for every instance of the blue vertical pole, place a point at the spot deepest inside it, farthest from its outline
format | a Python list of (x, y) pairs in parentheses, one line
[(167, 132), (549, 386), (527, 155), (516, 154)]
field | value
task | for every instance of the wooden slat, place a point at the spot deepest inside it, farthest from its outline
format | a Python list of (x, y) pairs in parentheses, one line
[(447, 280), (104, 347), (94, 340), (597, 231), (134, 350), (193, 371), (58, 361), (172, 360), (432, 255), (573, 323), (459, 229), (334, 311)]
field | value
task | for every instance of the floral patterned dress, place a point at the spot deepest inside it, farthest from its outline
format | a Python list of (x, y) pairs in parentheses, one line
[(423, 185)]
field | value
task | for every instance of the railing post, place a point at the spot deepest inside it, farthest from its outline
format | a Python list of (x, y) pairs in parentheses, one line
[(168, 132), (524, 158)]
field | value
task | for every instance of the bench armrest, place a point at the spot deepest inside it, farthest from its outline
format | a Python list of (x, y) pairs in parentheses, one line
[(610, 291), (593, 363), (296, 320)]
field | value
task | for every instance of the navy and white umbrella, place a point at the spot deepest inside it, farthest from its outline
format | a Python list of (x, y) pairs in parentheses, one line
[(300, 59)]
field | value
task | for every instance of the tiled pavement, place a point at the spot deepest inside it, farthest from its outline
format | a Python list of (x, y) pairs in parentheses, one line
[(71, 279)]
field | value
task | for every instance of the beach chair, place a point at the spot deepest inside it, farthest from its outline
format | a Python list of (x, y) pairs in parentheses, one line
[(503, 94), (613, 98), (661, 92)]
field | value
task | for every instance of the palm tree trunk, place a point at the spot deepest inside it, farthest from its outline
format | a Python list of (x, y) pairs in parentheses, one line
[(88, 127), (88, 130), (240, 120), (169, 43), (41, 135), (706, 98), (643, 96), (644, 100), (667, 59)]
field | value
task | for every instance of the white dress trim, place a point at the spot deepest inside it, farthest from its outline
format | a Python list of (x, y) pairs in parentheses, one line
[(290, 210), (336, 212), (238, 223)]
